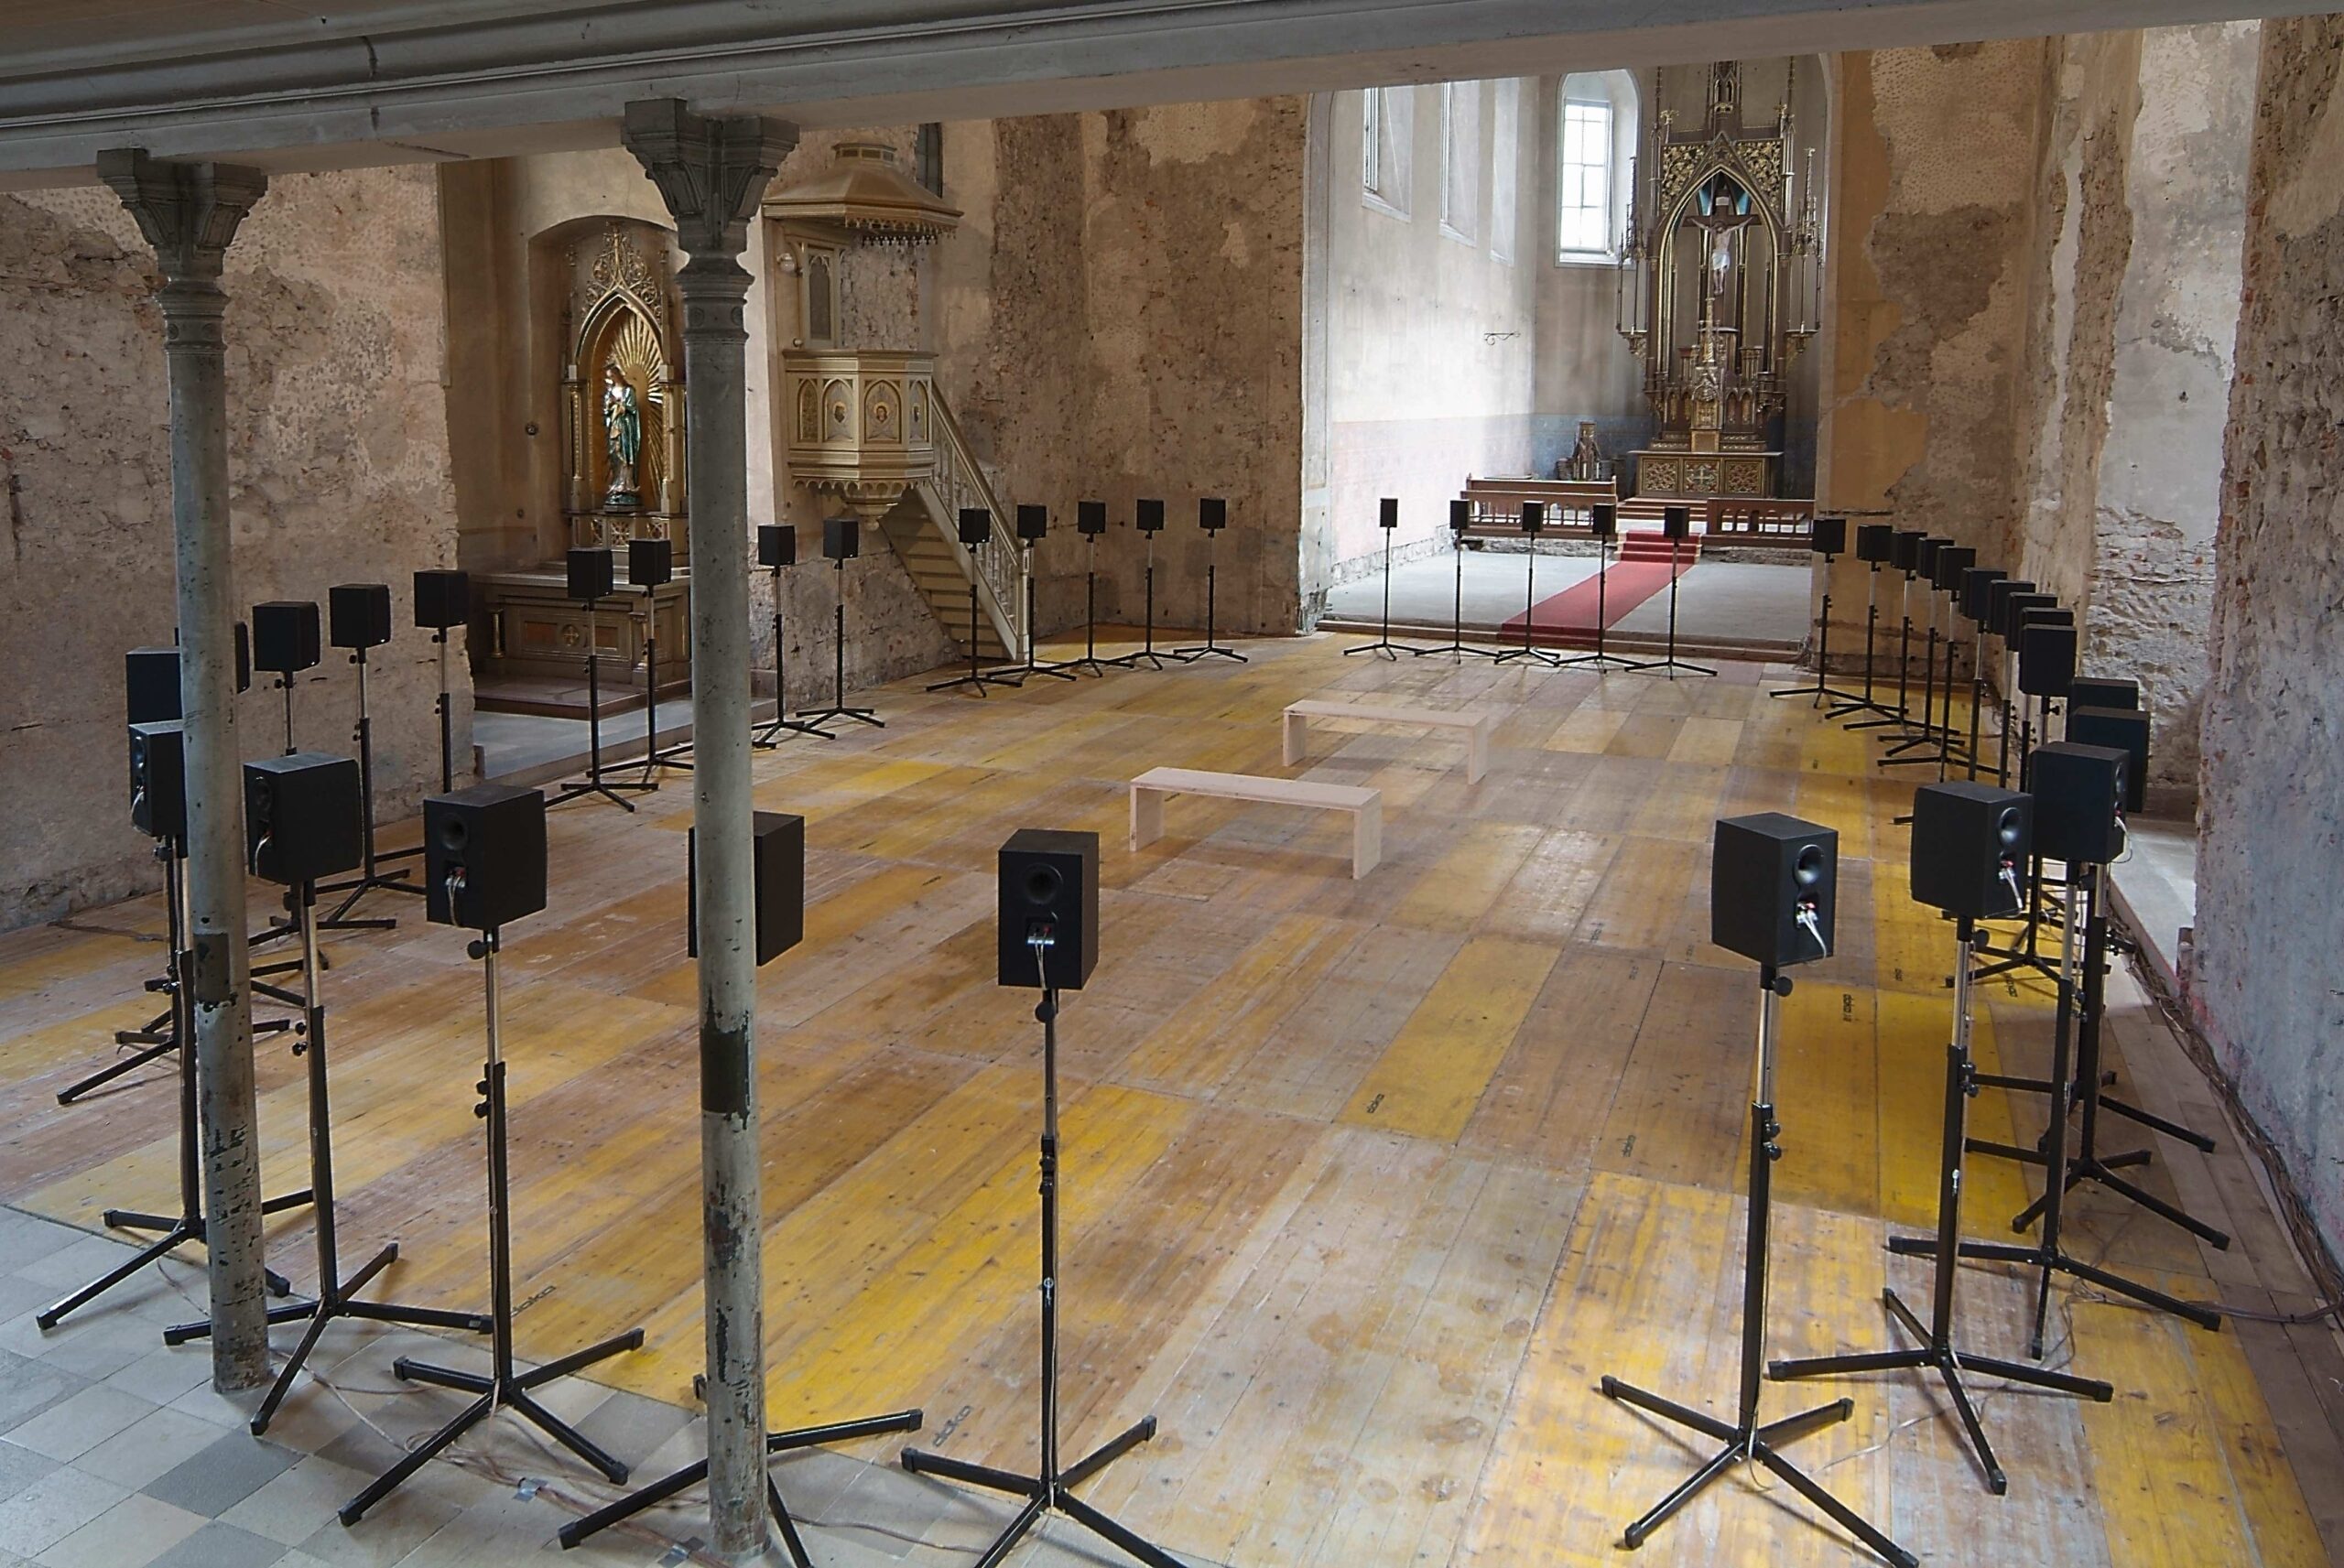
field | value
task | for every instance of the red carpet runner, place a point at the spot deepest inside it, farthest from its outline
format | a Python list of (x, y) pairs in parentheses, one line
[(1640, 571)]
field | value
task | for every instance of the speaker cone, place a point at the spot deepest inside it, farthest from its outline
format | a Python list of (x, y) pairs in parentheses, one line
[(2006, 829), (1807, 870), (453, 833), (1042, 884)]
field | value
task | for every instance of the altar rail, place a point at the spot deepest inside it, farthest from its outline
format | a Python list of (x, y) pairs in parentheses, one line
[(1496, 512)]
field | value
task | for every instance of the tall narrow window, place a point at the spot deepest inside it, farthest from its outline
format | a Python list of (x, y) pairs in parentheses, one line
[(1386, 124), (1505, 151), (1583, 205), (1461, 158), (1371, 140)]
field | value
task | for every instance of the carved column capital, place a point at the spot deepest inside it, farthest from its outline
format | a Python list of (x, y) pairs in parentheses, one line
[(189, 213), (711, 172)]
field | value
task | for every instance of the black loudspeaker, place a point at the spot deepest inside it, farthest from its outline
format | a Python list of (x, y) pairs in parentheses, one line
[(1924, 556), (1977, 586), (2122, 729), (442, 600), (1677, 521), (842, 539), (150, 685), (1604, 519), (358, 614), (301, 817), (778, 865), (1461, 515), (1952, 561), (1970, 844), (1091, 517), (975, 526), (1212, 513), (1387, 511), (1998, 599), (1533, 516), (1905, 555), (158, 779), (1772, 881), (650, 563), (1049, 879), (2104, 691), (1876, 543), (243, 658), (1828, 536), (284, 636), (2019, 608), (776, 544), (1033, 522), (2078, 802), (484, 856), (2047, 659), (1148, 515), (592, 575)]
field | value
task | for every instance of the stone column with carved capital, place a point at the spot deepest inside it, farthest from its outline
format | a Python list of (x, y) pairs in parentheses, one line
[(711, 172), (189, 213)]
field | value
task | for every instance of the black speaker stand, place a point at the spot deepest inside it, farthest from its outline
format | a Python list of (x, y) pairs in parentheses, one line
[(1822, 687), (1899, 717), (285, 685), (1745, 1439), (1670, 661), (1051, 1490), (2047, 1256), (1383, 643), (1599, 658), (158, 1036), (1529, 649), (1456, 645), (1211, 647), (1977, 697), (188, 1224), (654, 756), (1867, 703), (1090, 660), (1935, 1348), (979, 677), (766, 738), (1032, 666), (501, 1387), (596, 781), (1148, 653), (370, 876), (839, 708), (1927, 742), (447, 721)]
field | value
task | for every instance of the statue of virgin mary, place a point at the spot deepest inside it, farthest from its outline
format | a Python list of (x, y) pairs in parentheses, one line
[(622, 438)]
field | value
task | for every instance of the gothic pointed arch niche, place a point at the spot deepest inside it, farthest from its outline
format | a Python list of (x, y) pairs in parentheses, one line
[(622, 388)]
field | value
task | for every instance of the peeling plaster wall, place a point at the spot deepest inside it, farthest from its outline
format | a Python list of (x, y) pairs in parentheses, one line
[(1431, 332), (2270, 924), (338, 465)]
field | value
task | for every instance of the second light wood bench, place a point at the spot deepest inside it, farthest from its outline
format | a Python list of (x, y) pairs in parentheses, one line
[(1478, 727), (1366, 806)]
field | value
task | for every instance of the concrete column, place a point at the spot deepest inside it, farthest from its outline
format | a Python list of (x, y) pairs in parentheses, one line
[(711, 172), (189, 212)]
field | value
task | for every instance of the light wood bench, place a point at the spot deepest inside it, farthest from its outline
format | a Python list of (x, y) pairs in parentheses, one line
[(1477, 726), (1366, 806)]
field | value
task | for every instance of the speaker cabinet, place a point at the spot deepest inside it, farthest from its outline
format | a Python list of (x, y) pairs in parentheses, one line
[(158, 779), (776, 544), (2078, 802), (1533, 516), (243, 658), (2126, 731), (1977, 586), (301, 816), (1387, 513), (484, 856), (1033, 522), (1906, 555), (650, 563), (2104, 691), (150, 685), (2014, 612), (2047, 659), (358, 614), (1212, 513), (1828, 536), (442, 600), (1951, 562), (1772, 884), (842, 539), (976, 527), (1998, 601), (1677, 521), (777, 864), (1461, 515), (1875, 543), (1050, 879), (284, 636), (1149, 516), (1925, 558), (1090, 518), (590, 575), (1604, 518), (1970, 844)]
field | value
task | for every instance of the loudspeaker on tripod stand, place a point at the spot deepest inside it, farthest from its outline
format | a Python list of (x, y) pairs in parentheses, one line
[(1773, 883), (301, 817), (1971, 845), (358, 614), (284, 636), (158, 779), (150, 682), (484, 856), (2079, 795), (1050, 879), (2125, 730)]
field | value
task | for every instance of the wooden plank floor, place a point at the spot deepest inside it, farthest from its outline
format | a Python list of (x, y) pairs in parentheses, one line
[(1367, 1184)]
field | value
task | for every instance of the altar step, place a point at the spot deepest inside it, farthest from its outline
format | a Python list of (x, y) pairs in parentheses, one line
[(555, 696), (1640, 545)]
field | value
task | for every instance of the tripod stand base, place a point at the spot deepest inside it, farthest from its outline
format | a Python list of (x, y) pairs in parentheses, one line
[(691, 1474), (1601, 662), (341, 1302), (1046, 1494), (1672, 666), (816, 716), (341, 918), (1750, 1443), (1215, 651), (766, 737), (2205, 1317), (1546, 656), (154, 1046), (1951, 1365), (508, 1392), (977, 680), (578, 789)]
